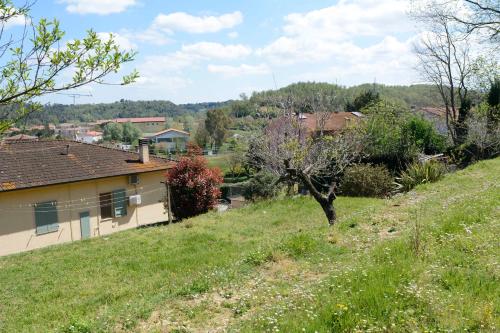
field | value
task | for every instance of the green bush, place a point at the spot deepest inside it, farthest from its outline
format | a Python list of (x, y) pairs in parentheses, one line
[(365, 180), (261, 186), (420, 173), (421, 133)]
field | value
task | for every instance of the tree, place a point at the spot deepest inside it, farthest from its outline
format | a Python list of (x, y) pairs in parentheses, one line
[(363, 100), (34, 63), (444, 59), (217, 125), (130, 133), (201, 136), (482, 16), (287, 150), (194, 187), (112, 132)]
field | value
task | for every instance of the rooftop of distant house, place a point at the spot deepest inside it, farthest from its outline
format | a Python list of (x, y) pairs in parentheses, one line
[(433, 111), (27, 163), (21, 137), (328, 122), (167, 131), (133, 120)]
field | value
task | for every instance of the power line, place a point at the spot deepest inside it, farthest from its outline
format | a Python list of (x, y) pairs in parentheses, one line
[(69, 207)]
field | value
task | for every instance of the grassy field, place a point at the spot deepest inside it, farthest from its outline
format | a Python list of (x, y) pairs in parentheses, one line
[(426, 261)]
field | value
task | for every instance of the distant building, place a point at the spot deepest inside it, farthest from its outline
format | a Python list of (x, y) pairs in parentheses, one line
[(145, 124), (21, 137), (89, 137), (437, 116), (57, 191), (316, 123), (170, 139)]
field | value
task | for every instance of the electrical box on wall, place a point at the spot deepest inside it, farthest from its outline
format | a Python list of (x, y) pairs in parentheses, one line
[(135, 200)]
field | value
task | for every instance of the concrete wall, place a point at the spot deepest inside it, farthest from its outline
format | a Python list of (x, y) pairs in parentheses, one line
[(17, 218)]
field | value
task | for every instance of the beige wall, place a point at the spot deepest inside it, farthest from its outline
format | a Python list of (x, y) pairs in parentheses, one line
[(17, 219)]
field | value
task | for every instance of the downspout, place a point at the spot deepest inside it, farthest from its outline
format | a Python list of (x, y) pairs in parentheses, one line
[(97, 210), (70, 213)]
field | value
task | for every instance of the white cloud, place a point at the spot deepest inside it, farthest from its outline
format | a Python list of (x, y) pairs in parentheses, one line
[(242, 69), (331, 32), (196, 24), (233, 34), (216, 50), (100, 7), (18, 20), (122, 41)]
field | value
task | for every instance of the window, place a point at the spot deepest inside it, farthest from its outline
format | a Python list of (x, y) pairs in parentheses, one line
[(113, 204), (106, 202), (46, 217)]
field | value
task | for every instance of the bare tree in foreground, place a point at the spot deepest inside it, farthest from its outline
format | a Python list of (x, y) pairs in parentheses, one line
[(445, 60), (295, 154), (482, 16)]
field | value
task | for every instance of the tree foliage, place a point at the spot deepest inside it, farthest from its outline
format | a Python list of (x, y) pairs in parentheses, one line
[(217, 125), (34, 62), (194, 187)]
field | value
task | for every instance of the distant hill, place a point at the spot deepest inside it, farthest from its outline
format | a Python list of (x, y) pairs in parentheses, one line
[(61, 113), (415, 95)]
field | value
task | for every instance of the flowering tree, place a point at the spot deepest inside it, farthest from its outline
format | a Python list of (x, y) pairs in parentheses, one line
[(194, 187), (293, 153)]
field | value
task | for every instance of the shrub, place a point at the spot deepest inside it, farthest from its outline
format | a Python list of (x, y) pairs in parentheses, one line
[(421, 132), (420, 173), (261, 186), (194, 186), (365, 180)]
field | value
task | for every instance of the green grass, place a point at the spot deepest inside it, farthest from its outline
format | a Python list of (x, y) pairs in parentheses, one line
[(220, 161), (424, 261)]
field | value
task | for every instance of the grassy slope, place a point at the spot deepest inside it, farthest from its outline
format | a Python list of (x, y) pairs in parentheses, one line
[(277, 266)]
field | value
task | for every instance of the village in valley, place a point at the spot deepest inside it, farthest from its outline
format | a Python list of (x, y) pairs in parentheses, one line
[(335, 172)]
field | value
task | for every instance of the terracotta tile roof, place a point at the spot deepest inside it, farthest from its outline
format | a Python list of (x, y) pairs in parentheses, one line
[(334, 122), (21, 137), (28, 164), (439, 112), (133, 120)]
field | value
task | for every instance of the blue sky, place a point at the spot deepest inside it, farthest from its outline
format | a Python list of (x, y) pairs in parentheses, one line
[(212, 50)]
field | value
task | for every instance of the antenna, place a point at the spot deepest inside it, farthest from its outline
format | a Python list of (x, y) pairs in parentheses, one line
[(75, 96), (275, 84)]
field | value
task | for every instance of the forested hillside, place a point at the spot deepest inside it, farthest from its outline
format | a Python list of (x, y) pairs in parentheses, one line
[(415, 95), (60, 113)]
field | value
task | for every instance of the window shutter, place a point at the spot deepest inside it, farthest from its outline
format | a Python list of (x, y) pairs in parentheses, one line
[(120, 203), (46, 217)]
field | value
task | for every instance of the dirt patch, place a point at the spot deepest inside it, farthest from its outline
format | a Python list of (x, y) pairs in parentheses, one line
[(215, 311)]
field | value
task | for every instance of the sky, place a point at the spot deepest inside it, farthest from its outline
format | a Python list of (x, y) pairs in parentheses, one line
[(214, 50)]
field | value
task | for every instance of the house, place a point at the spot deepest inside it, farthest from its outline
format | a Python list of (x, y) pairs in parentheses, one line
[(316, 123), (328, 122), (21, 137), (58, 191), (89, 137), (437, 116), (145, 124), (170, 139)]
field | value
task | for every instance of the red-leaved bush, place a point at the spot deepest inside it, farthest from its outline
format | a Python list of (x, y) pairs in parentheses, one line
[(194, 186)]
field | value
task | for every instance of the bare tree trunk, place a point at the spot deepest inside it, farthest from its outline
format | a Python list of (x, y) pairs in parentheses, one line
[(326, 201)]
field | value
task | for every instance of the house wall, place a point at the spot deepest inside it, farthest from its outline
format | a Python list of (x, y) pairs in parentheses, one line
[(17, 219), (179, 141)]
